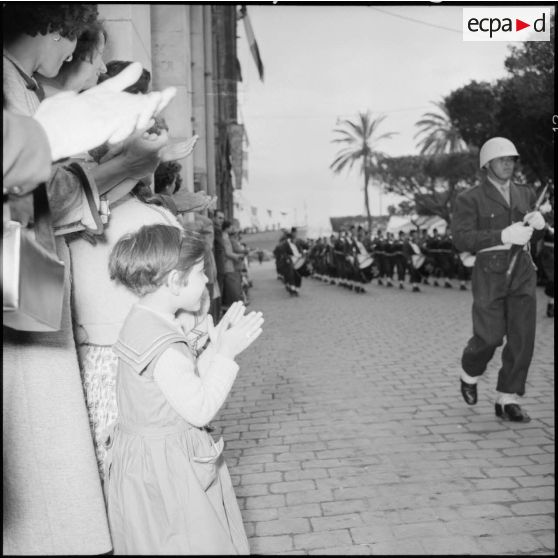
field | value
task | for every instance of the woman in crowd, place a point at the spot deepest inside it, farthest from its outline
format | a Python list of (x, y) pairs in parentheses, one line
[(85, 67), (53, 502)]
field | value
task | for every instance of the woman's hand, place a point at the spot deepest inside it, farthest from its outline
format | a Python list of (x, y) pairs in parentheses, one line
[(75, 123), (177, 149), (140, 153)]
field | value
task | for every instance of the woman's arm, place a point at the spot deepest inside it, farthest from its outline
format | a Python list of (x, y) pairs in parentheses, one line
[(195, 399), (139, 157)]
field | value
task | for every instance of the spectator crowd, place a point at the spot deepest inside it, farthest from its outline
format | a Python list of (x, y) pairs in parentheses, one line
[(90, 166)]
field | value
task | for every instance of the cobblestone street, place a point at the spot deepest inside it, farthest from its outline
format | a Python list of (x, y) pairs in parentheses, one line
[(346, 432)]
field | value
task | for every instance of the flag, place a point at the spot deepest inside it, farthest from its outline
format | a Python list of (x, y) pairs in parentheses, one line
[(252, 41), (236, 132)]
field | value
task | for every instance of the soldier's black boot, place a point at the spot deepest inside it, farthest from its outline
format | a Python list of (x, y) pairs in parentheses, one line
[(550, 310), (511, 412), (469, 392)]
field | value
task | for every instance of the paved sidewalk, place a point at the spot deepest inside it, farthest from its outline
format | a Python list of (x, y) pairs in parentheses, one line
[(346, 432)]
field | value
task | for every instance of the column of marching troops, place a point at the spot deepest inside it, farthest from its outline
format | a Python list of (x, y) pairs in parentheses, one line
[(352, 258)]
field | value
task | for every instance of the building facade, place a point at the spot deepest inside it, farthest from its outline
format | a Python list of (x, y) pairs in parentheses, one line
[(193, 48)]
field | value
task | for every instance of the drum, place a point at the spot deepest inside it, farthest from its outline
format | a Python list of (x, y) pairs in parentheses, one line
[(299, 262), (467, 259), (418, 260), (364, 260)]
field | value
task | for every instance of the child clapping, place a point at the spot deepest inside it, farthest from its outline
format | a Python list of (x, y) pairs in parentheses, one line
[(168, 488)]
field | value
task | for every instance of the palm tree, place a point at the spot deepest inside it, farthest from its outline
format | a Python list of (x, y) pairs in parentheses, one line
[(359, 139), (439, 134)]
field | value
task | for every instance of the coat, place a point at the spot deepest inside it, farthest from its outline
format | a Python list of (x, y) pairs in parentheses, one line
[(481, 213), (52, 496)]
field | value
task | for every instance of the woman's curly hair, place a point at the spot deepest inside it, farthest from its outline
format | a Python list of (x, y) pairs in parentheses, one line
[(22, 18), (114, 67), (89, 41)]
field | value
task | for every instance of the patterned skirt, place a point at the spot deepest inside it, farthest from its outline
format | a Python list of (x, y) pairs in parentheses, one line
[(98, 365)]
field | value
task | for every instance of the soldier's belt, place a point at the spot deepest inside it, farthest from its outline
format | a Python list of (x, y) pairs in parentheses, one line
[(502, 247)]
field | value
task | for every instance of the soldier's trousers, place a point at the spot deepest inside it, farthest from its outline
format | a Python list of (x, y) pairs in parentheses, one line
[(502, 311), (400, 266), (388, 266), (292, 276), (546, 259)]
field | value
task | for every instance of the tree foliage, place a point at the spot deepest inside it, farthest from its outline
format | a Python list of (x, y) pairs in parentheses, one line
[(359, 146), (438, 134), (473, 110), (430, 184), (519, 107)]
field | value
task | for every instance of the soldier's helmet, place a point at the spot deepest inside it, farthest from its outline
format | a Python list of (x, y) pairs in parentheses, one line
[(494, 148)]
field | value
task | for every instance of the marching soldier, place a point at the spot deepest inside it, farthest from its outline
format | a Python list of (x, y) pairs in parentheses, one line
[(446, 259), (339, 257), (433, 251), (415, 259), (495, 220), (389, 259), (378, 247), (364, 259), (546, 256), (279, 255), (293, 260), (399, 261), (428, 266)]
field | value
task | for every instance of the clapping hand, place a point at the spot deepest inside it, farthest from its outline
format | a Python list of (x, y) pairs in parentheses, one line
[(78, 122), (141, 153), (178, 149), (236, 331)]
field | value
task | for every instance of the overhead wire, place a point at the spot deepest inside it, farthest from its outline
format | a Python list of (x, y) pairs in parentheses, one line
[(420, 21)]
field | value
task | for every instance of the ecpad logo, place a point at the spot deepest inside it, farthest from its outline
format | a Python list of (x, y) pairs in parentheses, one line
[(506, 24)]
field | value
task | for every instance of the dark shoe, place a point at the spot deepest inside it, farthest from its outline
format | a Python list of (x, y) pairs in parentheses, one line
[(389, 285), (469, 392), (550, 310), (436, 284), (462, 288), (416, 289), (380, 283), (512, 412), (448, 285), (401, 286), (426, 282)]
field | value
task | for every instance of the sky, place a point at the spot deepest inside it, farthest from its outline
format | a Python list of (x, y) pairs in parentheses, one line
[(324, 63)]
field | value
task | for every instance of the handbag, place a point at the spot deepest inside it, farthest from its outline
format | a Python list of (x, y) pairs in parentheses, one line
[(32, 273)]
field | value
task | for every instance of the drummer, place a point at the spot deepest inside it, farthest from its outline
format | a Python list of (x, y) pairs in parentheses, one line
[(293, 262), (415, 259), (364, 258), (399, 260)]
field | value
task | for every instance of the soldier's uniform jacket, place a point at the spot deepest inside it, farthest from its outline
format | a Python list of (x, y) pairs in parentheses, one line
[(481, 213)]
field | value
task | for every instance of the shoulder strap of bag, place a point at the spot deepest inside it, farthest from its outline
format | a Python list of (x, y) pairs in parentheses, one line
[(42, 219), (86, 182)]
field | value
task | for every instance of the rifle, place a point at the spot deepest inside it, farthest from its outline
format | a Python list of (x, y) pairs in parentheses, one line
[(516, 248)]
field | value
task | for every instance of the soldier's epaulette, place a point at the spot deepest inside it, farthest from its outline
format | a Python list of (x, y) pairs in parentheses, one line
[(469, 190)]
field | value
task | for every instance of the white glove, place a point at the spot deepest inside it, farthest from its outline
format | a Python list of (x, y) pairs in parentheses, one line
[(545, 208), (517, 233), (535, 220), (75, 123)]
